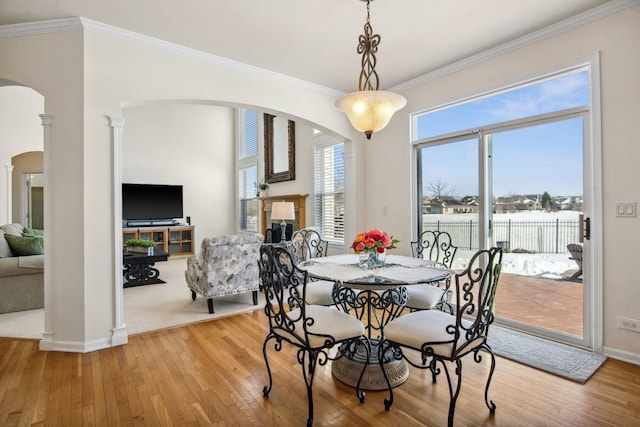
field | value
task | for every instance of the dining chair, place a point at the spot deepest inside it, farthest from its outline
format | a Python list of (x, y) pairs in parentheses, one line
[(268, 235), (313, 329), (436, 246), (444, 338), (307, 244)]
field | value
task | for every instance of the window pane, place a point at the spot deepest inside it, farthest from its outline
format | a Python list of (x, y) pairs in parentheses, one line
[(449, 191), (547, 96), (329, 192), (248, 201)]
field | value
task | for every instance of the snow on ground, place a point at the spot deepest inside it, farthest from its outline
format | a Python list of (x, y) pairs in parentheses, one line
[(549, 266)]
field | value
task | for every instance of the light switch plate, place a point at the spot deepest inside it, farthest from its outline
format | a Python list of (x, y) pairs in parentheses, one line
[(626, 209)]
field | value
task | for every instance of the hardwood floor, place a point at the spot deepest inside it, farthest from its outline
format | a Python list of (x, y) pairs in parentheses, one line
[(212, 373)]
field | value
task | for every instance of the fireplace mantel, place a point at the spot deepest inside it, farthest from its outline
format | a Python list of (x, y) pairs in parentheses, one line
[(299, 205)]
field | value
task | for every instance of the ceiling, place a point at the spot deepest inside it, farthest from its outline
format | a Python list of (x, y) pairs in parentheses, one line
[(316, 40)]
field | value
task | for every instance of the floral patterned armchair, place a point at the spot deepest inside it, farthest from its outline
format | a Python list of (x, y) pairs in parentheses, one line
[(225, 265)]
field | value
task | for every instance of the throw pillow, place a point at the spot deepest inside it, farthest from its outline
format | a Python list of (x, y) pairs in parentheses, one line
[(26, 232), (22, 246), (5, 249)]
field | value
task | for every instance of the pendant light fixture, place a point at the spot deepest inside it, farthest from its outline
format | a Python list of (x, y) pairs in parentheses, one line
[(369, 110)]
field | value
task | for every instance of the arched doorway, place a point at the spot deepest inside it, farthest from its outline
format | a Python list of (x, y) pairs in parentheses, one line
[(20, 153)]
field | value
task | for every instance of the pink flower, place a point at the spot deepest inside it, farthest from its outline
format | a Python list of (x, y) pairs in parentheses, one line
[(373, 239)]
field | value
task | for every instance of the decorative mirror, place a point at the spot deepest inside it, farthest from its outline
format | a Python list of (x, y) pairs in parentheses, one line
[(279, 149)]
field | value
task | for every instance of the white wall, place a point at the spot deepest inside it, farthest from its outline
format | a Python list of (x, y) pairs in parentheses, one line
[(188, 145), (193, 145), (20, 108)]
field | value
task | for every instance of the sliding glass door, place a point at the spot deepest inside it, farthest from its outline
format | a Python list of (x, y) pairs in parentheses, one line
[(518, 186), (537, 212), (512, 169)]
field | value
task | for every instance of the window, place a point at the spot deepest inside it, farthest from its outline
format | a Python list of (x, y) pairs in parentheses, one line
[(536, 98), (329, 191), (248, 169)]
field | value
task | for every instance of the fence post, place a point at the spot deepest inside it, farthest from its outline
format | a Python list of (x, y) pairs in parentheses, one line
[(557, 235), (470, 233), (509, 233)]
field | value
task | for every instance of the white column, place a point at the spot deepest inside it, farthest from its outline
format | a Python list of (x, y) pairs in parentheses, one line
[(119, 336), (47, 336), (9, 169)]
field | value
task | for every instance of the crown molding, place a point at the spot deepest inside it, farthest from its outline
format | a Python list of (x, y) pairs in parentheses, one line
[(586, 17), (79, 23), (40, 27)]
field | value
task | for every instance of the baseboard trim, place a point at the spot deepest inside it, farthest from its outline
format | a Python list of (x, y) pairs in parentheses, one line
[(625, 356), (74, 346)]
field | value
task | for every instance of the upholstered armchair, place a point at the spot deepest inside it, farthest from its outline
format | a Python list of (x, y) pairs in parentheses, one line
[(225, 265)]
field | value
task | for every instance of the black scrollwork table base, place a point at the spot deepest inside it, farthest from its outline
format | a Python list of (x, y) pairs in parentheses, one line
[(138, 268), (375, 297)]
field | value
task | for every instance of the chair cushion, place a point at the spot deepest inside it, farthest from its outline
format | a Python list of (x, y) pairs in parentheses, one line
[(424, 297), (319, 292), (417, 328), (327, 321)]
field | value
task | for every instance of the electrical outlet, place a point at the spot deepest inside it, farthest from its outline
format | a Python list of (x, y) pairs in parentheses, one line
[(629, 324)]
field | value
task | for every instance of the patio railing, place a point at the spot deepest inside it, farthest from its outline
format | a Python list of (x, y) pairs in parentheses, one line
[(542, 236)]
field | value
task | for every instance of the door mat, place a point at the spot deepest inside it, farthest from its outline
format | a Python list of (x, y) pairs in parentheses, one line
[(564, 360)]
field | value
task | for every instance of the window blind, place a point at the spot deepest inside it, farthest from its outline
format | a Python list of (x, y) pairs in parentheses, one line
[(329, 191), (248, 137)]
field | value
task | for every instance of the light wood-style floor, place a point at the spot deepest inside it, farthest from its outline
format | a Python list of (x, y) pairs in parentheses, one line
[(212, 373)]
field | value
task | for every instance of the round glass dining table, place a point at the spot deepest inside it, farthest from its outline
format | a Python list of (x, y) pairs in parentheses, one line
[(375, 296)]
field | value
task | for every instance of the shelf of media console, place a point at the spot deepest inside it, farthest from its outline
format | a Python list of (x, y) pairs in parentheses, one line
[(173, 237)]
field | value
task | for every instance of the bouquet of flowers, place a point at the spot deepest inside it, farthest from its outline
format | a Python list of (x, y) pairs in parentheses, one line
[(373, 240)]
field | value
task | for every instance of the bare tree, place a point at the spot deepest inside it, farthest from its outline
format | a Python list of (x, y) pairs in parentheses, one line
[(439, 189)]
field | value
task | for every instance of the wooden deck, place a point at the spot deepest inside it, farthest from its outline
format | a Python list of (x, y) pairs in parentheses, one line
[(547, 303)]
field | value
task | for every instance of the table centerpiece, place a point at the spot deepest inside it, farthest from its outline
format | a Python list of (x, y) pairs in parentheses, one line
[(372, 248)]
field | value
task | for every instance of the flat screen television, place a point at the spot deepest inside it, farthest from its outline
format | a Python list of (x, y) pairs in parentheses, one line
[(151, 202)]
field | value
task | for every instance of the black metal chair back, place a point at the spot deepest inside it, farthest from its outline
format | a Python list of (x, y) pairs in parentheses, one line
[(435, 246), (283, 285), (307, 243), (475, 300)]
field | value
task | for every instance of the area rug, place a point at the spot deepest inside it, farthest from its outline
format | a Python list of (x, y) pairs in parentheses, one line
[(570, 362)]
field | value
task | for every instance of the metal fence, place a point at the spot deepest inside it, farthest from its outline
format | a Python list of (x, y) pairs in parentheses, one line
[(544, 236)]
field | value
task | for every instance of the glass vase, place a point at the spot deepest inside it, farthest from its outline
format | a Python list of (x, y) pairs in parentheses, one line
[(372, 259)]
